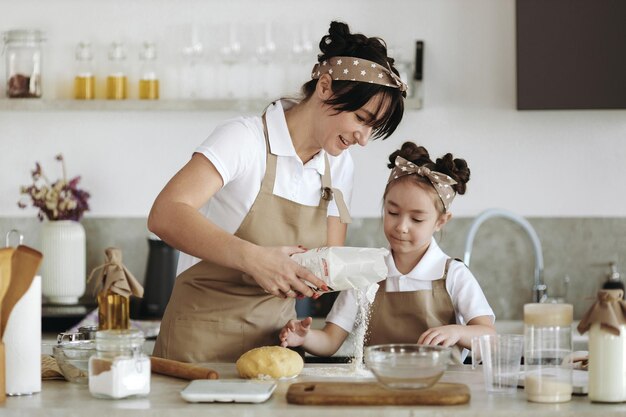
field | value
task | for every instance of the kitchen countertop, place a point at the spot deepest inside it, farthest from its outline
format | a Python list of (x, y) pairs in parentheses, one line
[(60, 398)]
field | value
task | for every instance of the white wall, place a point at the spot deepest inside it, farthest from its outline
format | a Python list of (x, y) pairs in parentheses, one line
[(537, 163)]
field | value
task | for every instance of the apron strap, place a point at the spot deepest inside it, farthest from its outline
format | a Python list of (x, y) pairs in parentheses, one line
[(328, 191), (267, 184)]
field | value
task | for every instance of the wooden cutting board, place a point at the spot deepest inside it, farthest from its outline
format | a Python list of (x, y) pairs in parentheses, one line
[(372, 393)]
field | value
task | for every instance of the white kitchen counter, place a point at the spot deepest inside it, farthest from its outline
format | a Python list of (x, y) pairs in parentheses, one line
[(60, 398)]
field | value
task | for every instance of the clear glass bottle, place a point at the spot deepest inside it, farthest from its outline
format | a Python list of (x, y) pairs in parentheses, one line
[(548, 352), (117, 81), (85, 79), (113, 311), (119, 368), (23, 63), (607, 350), (148, 82)]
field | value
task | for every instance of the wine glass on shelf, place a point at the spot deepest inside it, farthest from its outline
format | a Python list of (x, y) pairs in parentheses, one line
[(301, 57), (232, 74), (269, 72), (192, 53)]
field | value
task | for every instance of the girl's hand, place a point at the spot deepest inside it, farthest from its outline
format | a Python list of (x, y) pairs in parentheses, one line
[(279, 275), (294, 332), (444, 335)]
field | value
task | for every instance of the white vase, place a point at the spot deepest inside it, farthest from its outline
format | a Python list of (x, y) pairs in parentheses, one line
[(64, 261)]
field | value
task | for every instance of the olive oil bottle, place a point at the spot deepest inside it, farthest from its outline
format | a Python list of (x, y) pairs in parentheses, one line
[(113, 311), (117, 81), (85, 80), (149, 82)]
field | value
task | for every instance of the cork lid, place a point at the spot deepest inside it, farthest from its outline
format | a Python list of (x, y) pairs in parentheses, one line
[(548, 314)]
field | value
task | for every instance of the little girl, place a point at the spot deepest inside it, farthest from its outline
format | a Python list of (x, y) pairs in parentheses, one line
[(427, 297)]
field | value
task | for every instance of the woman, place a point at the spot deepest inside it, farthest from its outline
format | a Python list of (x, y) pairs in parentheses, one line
[(262, 188)]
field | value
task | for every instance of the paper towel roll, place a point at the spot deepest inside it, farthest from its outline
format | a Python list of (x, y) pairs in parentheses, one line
[(22, 341)]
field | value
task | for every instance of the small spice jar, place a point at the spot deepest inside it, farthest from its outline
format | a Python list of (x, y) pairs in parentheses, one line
[(119, 369), (23, 53), (548, 352), (606, 322)]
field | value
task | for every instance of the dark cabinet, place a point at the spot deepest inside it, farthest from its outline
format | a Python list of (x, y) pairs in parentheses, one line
[(571, 54)]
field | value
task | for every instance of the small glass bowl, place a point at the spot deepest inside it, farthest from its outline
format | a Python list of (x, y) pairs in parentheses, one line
[(407, 366), (73, 359)]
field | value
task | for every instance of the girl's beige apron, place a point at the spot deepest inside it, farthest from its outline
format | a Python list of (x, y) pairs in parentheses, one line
[(215, 313), (401, 317)]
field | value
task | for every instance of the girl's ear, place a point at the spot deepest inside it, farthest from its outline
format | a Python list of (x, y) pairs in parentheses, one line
[(442, 220), (324, 89)]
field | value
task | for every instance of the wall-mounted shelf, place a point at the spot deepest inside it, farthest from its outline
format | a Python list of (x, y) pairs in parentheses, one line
[(30, 104), (236, 105)]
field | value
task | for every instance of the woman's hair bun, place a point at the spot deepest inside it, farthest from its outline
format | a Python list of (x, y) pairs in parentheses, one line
[(341, 42), (456, 168)]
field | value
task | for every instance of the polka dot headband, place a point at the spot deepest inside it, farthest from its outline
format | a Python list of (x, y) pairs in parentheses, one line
[(349, 68), (442, 182)]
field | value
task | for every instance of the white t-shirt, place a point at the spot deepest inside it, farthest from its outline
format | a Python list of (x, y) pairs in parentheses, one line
[(237, 149), (467, 296)]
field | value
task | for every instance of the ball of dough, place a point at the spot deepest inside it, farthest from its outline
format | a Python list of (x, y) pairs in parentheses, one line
[(269, 362)]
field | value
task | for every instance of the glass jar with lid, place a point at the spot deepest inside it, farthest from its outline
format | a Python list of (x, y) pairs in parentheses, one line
[(23, 52), (85, 79), (117, 81), (548, 352), (148, 81), (119, 368)]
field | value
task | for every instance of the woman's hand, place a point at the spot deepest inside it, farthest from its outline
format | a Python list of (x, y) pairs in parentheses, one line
[(444, 335), (281, 276), (295, 331)]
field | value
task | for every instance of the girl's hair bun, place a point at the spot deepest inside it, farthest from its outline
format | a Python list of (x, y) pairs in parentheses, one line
[(454, 167)]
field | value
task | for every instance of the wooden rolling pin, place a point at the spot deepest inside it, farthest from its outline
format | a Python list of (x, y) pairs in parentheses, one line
[(181, 370)]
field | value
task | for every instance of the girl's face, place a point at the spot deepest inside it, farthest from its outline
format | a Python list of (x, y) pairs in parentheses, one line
[(345, 129), (410, 217)]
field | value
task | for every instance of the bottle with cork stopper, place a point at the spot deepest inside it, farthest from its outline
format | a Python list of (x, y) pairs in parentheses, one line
[(606, 322), (548, 352)]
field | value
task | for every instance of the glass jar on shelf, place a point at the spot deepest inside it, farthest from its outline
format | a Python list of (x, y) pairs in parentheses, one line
[(117, 80), (85, 79), (119, 368), (23, 54), (148, 80)]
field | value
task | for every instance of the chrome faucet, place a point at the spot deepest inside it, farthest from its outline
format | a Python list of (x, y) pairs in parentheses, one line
[(540, 290)]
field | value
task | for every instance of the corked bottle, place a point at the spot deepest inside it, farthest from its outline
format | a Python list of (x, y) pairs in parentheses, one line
[(606, 322), (115, 284)]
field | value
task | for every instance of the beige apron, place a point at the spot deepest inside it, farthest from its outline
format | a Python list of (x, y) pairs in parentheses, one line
[(215, 313), (402, 316)]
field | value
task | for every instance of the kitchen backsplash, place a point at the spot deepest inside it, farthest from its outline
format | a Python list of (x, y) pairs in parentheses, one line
[(502, 255)]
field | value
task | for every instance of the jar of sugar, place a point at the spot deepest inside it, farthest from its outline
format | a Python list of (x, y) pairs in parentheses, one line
[(119, 368), (548, 352)]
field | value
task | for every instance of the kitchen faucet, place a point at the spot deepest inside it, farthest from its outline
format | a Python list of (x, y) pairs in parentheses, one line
[(539, 287)]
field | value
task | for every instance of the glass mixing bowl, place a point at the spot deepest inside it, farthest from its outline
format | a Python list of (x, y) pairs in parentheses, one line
[(407, 366), (73, 359)]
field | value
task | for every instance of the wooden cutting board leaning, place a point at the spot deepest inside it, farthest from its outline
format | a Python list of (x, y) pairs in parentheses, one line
[(371, 393)]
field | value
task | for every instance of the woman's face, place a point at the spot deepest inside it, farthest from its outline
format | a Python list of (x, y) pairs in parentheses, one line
[(410, 217), (345, 129)]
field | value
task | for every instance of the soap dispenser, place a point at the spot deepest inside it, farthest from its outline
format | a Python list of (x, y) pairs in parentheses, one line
[(614, 281)]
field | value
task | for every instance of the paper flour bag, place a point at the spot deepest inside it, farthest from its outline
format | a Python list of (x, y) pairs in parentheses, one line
[(343, 268)]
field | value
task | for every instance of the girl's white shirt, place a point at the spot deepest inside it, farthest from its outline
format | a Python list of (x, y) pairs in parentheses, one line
[(468, 299), (237, 149)]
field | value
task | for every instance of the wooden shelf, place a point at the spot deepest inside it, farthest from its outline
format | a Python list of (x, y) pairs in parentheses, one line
[(237, 105)]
